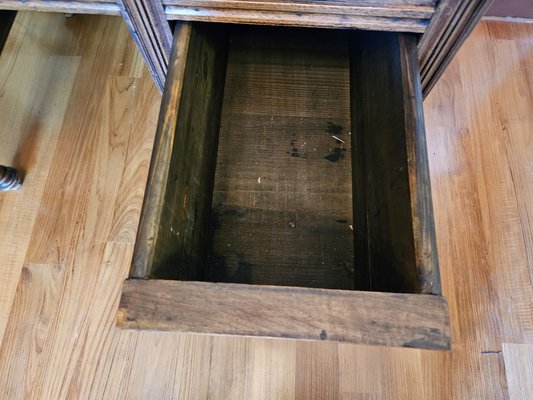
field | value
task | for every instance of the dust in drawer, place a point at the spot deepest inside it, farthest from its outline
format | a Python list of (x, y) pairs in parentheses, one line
[(282, 203)]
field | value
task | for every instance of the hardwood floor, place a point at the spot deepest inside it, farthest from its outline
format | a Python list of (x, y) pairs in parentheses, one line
[(78, 112)]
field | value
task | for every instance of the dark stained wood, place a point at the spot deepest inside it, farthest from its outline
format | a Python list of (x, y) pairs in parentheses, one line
[(183, 226), (315, 314), (394, 234), (310, 20), (154, 197), (376, 15), (444, 25), (449, 27), (411, 16), (282, 207), (6, 21), (281, 211), (389, 15), (151, 32), (387, 8), (423, 225)]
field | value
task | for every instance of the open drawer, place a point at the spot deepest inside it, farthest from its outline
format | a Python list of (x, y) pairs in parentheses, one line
[(288, 193)]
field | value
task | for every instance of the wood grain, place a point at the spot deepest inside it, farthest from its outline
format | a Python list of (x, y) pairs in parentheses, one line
[(481, 133), (282, 209), (453, 21), (183, 228), (394, 237), (423, 224), (478, 123), (378, 15), (101, 7), (146, 20), (143, 256), (310, 20), (348, 316), (151, 31), (45, 283), (444, 26), (32, 109), (381, 8), (518, 360)]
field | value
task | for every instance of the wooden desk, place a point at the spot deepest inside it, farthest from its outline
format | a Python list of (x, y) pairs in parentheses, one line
[(443, 25)]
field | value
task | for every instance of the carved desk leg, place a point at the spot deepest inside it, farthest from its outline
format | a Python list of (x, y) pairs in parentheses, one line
[(10, 179)]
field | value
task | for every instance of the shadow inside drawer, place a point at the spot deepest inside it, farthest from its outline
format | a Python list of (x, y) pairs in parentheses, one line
[(282, 202)]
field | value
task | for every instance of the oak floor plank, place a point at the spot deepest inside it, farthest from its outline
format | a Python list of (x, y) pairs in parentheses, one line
[(66, 238), (519, 369), (317, 371), (482, 243), (32, 109), (33, 311), (85, 216)]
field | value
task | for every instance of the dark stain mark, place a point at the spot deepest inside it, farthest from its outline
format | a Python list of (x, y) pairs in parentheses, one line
[(491, 352), (217, 216), (218, 269), (334, 129), (215, 220), (336, 155), (423, 343), (243, 273), (323, 335), (342, 221), (296, 153)]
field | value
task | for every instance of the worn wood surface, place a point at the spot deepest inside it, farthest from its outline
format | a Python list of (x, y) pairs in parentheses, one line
[(394, 237), (180, 249), (403, 320), (444, 24), (151, 31), (423, 223), (478, 123), (310, 20), (377, 8), (143, 256), (395, 15), (378, 15), (102, 7), (282, 202)]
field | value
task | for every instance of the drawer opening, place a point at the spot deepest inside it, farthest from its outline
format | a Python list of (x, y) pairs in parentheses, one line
[(260, 187), (289, 166)]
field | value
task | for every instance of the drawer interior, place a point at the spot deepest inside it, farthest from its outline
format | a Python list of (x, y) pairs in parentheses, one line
[(289, 167), (282, 202)]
